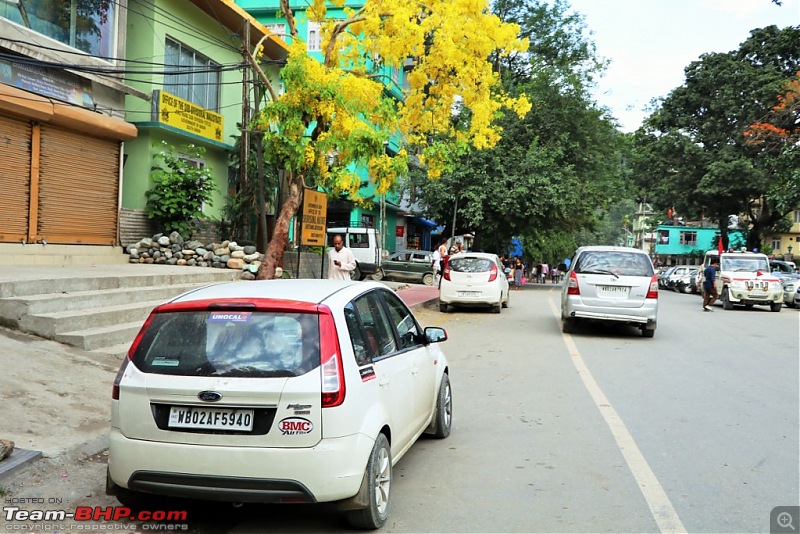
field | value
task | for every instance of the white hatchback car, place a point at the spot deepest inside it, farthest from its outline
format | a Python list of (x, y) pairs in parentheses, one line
[(614, 284), (473, 279), (277, 391)]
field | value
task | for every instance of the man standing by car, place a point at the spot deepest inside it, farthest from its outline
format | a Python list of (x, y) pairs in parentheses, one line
[(340, 260), (710, 295)]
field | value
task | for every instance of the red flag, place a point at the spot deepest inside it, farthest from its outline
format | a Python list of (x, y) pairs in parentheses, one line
[(719, 245)]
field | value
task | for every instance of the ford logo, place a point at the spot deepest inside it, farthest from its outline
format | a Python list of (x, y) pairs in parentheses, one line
[(209, 396)]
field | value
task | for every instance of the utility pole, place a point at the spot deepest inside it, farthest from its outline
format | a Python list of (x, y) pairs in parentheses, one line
[(244, 149)]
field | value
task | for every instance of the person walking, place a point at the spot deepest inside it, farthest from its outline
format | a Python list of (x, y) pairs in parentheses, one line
[(340, 260), (519, 272), (710, 295), (442, 250), (436, 265)]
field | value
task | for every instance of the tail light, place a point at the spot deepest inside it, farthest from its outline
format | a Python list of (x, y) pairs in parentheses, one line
[(333, 389), (572, 284), (131, 351), (493, 273), (446, 269), (652, 293)]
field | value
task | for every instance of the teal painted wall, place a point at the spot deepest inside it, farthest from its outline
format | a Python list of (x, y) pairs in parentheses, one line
[(706, 240)]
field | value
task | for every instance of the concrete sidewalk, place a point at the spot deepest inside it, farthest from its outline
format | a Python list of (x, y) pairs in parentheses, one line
[(55, 399)]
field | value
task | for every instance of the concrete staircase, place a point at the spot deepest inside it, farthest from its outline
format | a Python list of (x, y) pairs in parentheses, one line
[(99, 314)]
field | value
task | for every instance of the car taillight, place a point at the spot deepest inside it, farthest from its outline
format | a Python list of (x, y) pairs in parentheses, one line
[(493, 273), (131, 351), (118, 378), (331, 361), (572, 284), (652, 293), (446, 269)]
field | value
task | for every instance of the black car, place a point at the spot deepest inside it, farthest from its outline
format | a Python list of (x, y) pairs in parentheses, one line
[(409, 266)]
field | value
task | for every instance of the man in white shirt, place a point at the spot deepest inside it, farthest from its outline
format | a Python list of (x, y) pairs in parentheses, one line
[(437, 266), (340, 260)]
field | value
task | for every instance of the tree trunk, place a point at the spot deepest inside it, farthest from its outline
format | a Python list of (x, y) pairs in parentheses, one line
[(280, 239)]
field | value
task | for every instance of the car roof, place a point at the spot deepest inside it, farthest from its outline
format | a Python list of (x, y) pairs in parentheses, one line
[(486, 255), (608, 248), (302, 290)]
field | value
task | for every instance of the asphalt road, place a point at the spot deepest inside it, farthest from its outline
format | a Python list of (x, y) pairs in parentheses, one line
[(601, 431)]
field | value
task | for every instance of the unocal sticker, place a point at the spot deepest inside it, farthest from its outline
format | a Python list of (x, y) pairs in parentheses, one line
[(295, 425), (229, 317)]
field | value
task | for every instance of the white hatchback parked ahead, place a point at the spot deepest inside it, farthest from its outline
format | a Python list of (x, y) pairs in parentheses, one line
[(473, 279), (277, 391)]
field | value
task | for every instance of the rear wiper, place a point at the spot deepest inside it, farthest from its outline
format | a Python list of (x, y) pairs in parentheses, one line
[(600, 271)]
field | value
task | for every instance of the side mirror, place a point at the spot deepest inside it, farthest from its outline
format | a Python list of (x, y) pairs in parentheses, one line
[(435, 334)]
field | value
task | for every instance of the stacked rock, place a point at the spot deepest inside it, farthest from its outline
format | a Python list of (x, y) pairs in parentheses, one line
[(174, 250)]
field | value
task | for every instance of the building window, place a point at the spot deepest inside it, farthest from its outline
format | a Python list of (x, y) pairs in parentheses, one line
[(663, 237), (368, 220), (278, 28), (776, 242), (689, 238), (796, 216), (87, 25), (313, 43), (191, 76)]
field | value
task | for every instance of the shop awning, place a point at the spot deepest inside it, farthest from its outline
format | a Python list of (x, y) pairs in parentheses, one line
[(422, 221)]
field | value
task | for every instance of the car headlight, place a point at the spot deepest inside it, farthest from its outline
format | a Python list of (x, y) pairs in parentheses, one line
[(774, 285), (738, 284)]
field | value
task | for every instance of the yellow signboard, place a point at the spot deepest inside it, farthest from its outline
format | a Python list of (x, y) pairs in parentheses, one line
[(315, 212), (189, 117)]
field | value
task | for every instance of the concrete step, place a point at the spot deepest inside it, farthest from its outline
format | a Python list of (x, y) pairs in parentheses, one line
[(80, 300), (49, 325), (92, 339), (107, 280), (118, 351)]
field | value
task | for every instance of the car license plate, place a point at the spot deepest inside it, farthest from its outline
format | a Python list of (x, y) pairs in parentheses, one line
[(210, 418), (621, 290), (469, 293)]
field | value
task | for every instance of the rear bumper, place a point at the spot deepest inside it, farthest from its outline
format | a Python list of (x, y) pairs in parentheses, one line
[(645, 315), (330, 471)]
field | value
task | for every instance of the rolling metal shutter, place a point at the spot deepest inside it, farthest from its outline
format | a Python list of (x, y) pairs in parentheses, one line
[(78, 188), (15, 176)]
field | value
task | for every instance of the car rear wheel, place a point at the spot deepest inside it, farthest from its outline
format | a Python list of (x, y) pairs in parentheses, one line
[(379, 480), (505, 302), (444, 409), (427, 279), (726, 300), (355, 274), (648, 333), (378, 275), (567, 325)]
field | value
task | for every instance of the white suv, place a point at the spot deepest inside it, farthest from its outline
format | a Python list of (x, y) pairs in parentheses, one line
[(277, 391), (744, 278)]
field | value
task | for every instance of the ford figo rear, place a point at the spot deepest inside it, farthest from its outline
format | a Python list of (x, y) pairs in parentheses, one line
[(277, 391), (610, 284)]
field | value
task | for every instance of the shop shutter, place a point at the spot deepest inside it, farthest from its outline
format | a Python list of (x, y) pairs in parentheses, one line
[(15, 177), (78, 188)]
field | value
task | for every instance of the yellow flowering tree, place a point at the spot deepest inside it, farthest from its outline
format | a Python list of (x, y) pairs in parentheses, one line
[(337, 112)]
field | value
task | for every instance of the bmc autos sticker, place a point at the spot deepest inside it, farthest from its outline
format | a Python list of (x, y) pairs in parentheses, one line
[(229, 317), (293, 426), (367, 373)]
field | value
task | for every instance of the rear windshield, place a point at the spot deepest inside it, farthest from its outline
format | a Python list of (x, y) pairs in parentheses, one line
[(230, 343), (614, 262), (470, 265)]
